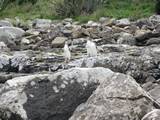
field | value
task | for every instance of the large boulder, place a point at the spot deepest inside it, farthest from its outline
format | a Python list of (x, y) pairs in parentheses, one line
[(10, 36), (5, 23), (13, 31), (8, 40), (117, 98), (49, 97)]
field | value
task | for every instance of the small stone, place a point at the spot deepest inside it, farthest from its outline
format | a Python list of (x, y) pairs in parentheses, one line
[(59, 42), (25, 41), (123, 22), (55, 89), (63, 86)]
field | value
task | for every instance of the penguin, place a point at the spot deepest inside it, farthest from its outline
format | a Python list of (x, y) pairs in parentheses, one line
[(91, 49), (67, 53)]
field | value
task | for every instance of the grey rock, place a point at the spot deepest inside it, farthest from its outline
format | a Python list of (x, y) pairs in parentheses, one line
[(4, 61), (19, 61), (155, 19), (68, 20), (5, 23), (141, 22), (13, 31), (117, 98), (14, 63), (10, 36), (154, 91), (33, 32), (157, 28), (67, 33), (4, 77), (54, 96), (78, 32), (8, 40), (59, 42), (126, 38), (92, 24), (123, 22), (25, 41), (103, 20), (54, 32), (93, 32), (153, 115), (143, 36), (152, 41), (42, 23), (79, 41)]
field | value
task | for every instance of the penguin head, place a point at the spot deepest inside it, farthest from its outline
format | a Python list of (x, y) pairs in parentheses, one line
[(66, 42)]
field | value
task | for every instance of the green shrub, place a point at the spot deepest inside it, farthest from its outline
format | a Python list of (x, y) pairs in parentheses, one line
[(158, 7), (68, 8), (71, 8), (4, 3), (91, 5), (19, 2)]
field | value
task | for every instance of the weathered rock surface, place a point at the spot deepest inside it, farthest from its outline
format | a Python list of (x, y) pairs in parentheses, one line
[(59, 42), (117, 98), (49, 97), (123, 22), (5, 23), (10, 36), (13, 63), (13, 31), (126, 38), (42, 23), (4, 61), (153, 115)]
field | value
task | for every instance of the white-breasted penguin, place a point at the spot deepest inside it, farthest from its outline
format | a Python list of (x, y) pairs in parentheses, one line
[(67, 53), (91, 48)]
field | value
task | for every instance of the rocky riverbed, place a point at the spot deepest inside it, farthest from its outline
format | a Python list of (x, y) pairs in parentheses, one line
[(121, 83)]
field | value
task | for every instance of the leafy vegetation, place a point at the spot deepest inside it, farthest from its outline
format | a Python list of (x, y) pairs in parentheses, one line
[(72, 8), (82, 10), (5, 3), (133, 9), (158, 7)]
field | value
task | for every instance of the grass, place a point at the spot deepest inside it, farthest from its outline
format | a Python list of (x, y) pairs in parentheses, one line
[(42, 9), (115, 8), (122, 9)]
